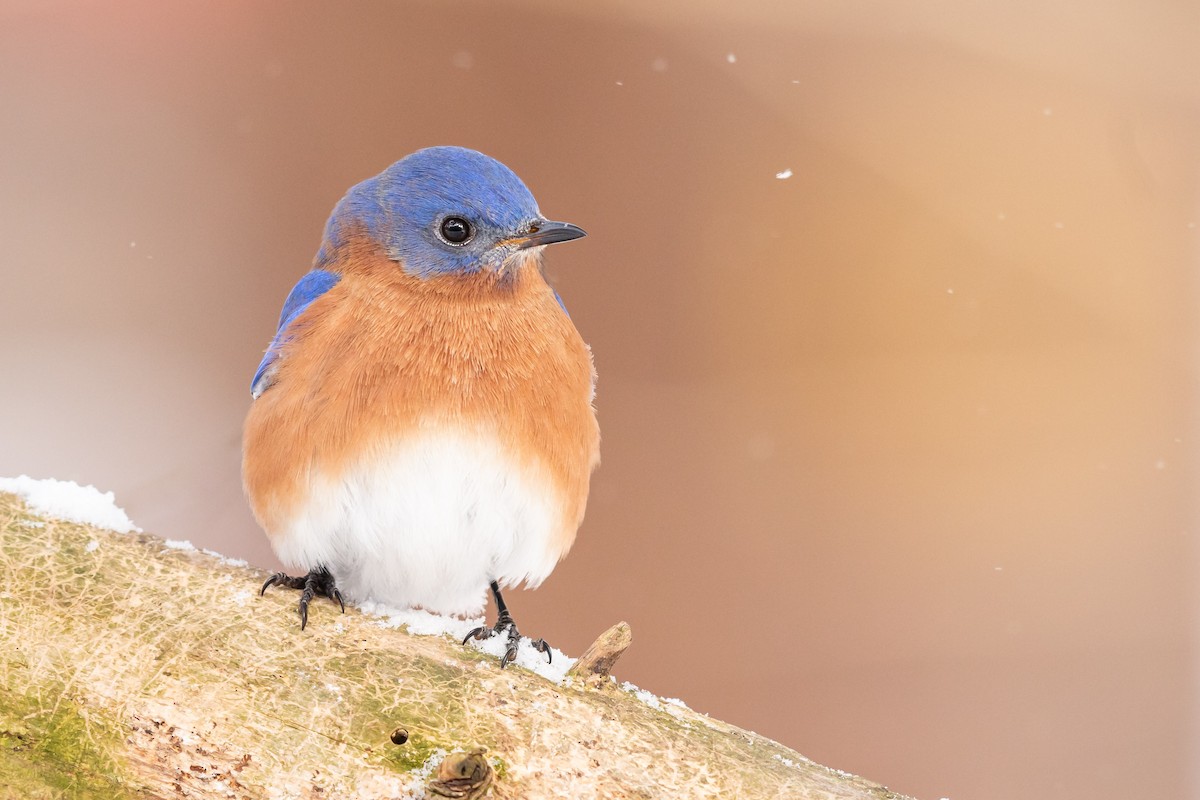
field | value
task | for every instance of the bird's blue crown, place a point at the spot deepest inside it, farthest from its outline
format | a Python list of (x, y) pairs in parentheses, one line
[(404, 209)]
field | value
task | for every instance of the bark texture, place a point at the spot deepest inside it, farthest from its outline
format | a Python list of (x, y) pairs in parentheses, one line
[(133, 669)]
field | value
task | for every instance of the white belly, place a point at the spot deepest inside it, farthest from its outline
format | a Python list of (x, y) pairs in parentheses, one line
[(428, 522)]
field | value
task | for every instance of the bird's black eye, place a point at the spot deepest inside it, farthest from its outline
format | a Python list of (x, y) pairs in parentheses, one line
[(456, 230)]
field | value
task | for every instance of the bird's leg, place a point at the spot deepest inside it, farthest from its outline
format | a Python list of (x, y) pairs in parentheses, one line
[(317, 582), (505, 625)]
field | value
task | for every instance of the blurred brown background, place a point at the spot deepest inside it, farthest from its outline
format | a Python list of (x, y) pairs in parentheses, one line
[(900, 452)]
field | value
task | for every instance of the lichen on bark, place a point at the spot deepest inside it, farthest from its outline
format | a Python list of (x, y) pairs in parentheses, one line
[(132, 669)]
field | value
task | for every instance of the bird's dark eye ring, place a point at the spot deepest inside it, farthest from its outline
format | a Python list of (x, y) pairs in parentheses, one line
[(456, 230)]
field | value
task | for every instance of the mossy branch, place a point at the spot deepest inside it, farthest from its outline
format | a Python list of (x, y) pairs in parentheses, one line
[(132, 669)]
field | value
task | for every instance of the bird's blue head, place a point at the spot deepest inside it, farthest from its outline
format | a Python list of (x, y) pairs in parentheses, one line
[(445, 210)]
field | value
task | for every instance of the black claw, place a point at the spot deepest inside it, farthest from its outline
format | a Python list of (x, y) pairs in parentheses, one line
[(281, 579), (337, 595), (316, 582), (478, 633), (510, 655), (306, 597), (505, 625)]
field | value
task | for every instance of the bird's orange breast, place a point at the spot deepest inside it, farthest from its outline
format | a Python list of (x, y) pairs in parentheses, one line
[(383, 355)]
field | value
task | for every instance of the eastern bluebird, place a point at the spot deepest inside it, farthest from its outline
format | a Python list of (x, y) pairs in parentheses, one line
[(422, 425)]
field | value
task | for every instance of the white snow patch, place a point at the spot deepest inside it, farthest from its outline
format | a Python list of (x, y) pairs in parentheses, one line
[(783, 176), (641, 694), (69, 501), (229, 562), (423, 623), (672, 705), (243, 597), (554, 670), (92, 546), (178, 544), (787, 762), (420, 622), (422, 773)]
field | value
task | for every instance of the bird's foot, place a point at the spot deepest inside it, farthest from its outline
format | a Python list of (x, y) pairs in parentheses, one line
[(316, 582), (506, 627)]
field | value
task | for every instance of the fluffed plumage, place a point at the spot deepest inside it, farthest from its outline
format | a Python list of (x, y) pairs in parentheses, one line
[(423, 421)]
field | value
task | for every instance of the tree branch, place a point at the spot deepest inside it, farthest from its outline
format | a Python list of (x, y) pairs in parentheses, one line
[(133, 669)]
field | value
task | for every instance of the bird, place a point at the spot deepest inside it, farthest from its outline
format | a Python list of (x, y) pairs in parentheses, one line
[(422, 426)]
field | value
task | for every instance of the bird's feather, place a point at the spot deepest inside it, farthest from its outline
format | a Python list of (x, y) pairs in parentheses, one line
[(431, 427), (309, 288)]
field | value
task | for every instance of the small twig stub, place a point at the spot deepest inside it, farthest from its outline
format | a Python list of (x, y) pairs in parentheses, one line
[(596, 664)]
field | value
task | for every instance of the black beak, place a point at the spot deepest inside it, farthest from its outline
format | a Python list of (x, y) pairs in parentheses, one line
[(545, 231)]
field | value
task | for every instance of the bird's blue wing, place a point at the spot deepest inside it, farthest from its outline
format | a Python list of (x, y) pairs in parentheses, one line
[(310, 287), (561, 304)]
